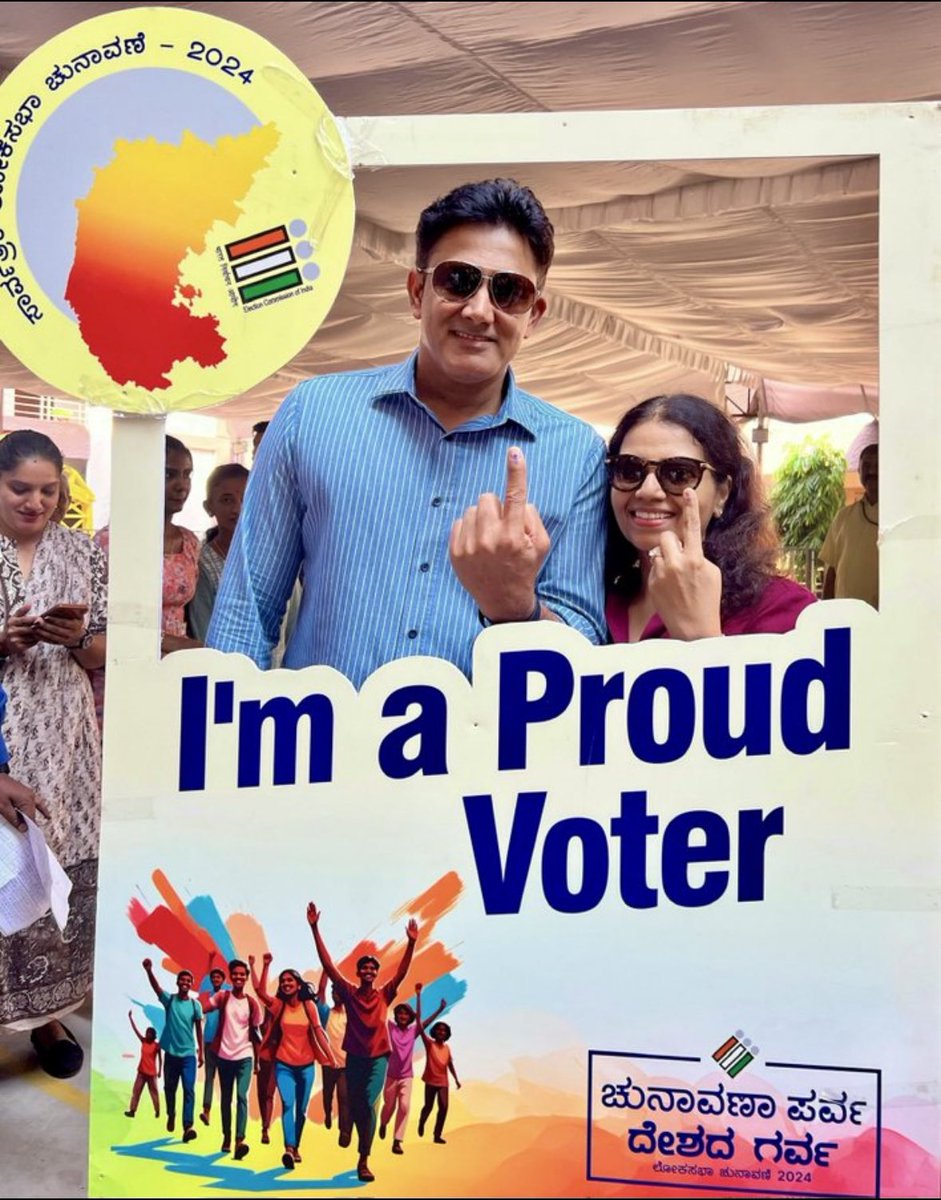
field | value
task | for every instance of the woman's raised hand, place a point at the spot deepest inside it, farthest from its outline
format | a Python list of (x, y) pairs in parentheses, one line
[(685, 586)]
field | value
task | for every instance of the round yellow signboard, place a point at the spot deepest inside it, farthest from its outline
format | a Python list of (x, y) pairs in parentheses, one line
[(176, 210)]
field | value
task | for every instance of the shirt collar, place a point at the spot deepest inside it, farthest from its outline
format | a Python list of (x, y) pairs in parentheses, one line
[(516, 407)]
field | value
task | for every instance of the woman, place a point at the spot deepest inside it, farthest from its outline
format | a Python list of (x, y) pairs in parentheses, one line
[(56, 582), (299, 1042), (225, 490), (180, 549), (691, 549)]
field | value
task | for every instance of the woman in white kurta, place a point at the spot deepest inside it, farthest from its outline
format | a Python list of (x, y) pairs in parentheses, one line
[(56, 583)]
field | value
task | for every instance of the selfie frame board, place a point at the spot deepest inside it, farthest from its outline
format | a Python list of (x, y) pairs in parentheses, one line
[(905, 137), (896, 698)]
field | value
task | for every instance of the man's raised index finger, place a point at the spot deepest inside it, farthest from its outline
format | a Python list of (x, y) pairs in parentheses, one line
[(514, 502)]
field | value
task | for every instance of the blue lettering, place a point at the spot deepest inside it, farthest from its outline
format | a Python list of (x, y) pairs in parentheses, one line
[(755, 737), (681, 715), (594, 864), (194, 706), (430, 727), (517, 712), (678, 853), (597, 694), (834, 674), (284, 715), (502, 886)]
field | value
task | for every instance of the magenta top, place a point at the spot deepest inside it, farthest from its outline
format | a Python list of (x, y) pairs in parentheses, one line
[(775, 611)]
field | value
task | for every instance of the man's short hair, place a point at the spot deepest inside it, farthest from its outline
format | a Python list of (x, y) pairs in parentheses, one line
[(367, 958), (260, 426), (490, 202), (237, 962)]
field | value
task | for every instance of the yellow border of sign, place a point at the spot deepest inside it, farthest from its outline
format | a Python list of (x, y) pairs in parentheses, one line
[(307, 176)]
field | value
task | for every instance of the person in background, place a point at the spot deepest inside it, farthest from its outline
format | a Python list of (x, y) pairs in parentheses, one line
[(850, 549), (180, 563), (333, 1020), (366, 1042), (56, 582), (182, 1045), (235, 1046), (148, 1068), (438, 1063), (299, 1042), (180, 551), (265, 1086), (691, 549), (225, 490), (404, 1029), (258, 432), (210, 1025)]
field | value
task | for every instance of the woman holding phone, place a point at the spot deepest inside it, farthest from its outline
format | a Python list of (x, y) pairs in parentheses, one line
[(55, 579)]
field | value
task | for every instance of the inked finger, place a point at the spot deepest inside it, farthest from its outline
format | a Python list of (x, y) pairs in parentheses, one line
[(692, 526), (514, 499)]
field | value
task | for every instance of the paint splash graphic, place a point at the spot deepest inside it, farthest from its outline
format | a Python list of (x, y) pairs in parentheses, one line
[(194, 936), (151, 205)]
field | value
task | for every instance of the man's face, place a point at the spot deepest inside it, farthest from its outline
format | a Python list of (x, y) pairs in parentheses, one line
[(239, 977), (367, 972), (184, 982), (217, 979), (869, 473), (471, 343)]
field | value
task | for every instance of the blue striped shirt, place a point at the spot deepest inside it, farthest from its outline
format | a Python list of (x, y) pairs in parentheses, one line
[(358, 483)]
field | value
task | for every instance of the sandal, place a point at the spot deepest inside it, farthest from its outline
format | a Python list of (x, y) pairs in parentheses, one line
[(62, 1058)]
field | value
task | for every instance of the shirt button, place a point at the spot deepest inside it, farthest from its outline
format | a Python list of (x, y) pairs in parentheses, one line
[(424, 567), (413, 633), (436, 502)]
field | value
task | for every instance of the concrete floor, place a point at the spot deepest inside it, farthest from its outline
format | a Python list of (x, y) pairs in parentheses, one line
[(44, 1127)]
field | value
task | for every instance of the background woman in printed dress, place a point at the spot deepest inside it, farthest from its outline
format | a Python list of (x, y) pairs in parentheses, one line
[(56, 580)]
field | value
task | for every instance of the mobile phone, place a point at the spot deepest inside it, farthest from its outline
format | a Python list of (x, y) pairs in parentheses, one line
[(65, 612)]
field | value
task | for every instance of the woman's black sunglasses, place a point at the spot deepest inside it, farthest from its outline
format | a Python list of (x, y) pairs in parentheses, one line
[(626, 473)]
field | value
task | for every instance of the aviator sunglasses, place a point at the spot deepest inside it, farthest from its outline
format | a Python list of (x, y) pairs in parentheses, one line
[(626, 472), (456, 282)]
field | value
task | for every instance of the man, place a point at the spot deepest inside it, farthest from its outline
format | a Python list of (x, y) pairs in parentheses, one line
[(235, 1046), (366, 1042), (334, 1077), (850, 548), (182, 1046), (362, 475), (210, 1026)]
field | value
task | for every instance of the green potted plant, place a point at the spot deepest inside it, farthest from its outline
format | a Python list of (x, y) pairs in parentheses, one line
[(808, 493)]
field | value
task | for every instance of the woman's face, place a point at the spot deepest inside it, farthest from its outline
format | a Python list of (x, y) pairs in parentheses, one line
[(29, 493), (288, 985), (179, 480), (645, 515), (225, 503)]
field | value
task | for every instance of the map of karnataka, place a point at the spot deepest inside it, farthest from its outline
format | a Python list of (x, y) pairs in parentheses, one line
[(146, 209)]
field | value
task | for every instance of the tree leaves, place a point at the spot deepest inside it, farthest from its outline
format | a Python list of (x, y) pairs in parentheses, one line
[(808, 492)]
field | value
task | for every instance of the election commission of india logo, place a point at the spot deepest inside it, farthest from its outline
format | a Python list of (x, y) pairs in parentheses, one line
[(176, 210)]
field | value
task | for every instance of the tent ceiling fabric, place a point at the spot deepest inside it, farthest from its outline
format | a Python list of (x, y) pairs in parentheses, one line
[(667, 275)]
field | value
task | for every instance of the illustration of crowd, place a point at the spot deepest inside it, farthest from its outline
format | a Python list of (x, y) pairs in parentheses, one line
[(464, 501), (277, 1040)]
